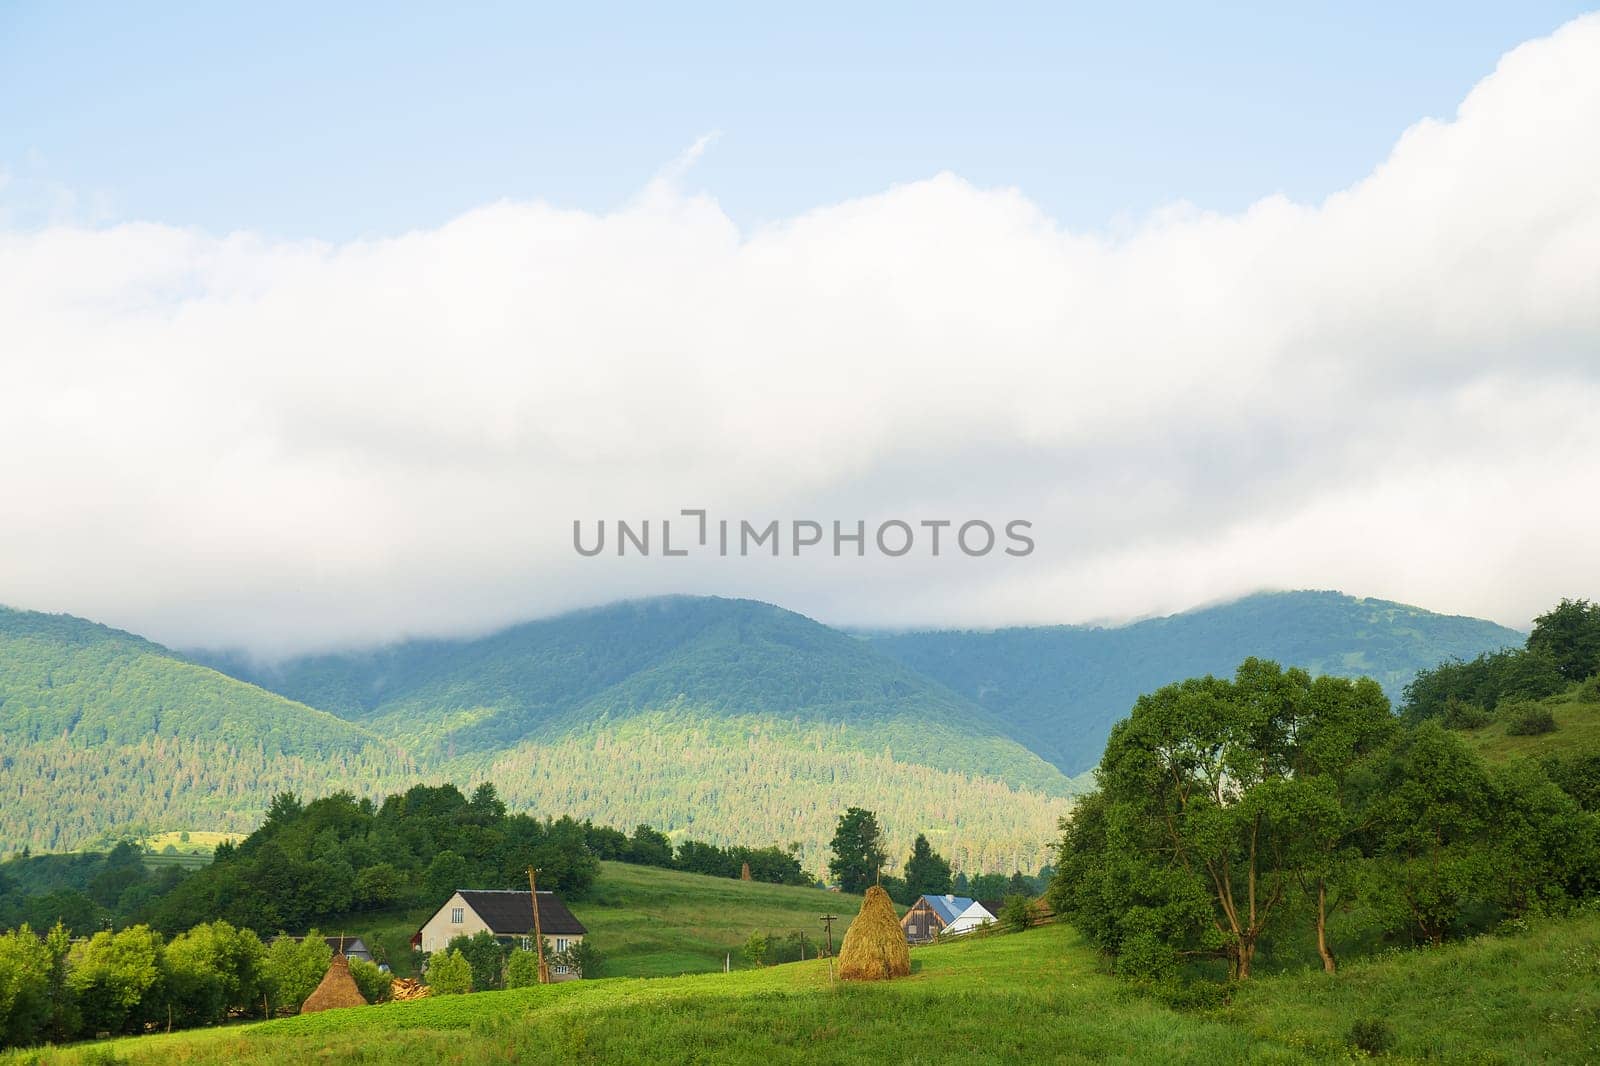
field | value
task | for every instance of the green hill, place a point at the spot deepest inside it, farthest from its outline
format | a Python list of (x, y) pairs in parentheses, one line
[(1026, 998), (726, 720), (64, 677), (100, 729), (1059, 689)]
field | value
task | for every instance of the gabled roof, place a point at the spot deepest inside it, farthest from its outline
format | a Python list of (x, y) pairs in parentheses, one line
[(948, 908), (341, 945), (979, 912), (510, 913)]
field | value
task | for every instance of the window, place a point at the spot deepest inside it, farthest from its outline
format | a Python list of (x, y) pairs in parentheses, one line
[(457, 915), (561, 943)]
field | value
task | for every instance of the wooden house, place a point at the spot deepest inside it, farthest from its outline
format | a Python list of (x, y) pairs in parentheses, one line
[(932, 916)]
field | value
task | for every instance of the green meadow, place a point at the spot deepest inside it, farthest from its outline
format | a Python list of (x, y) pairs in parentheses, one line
[(1030, 997), (650, 922)]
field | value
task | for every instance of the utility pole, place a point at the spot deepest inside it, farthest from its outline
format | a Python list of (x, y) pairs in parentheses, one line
[(827, 924), (538, 933)]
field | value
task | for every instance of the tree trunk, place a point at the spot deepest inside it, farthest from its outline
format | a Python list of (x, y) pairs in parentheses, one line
[(1328, 963), (1247, 952)]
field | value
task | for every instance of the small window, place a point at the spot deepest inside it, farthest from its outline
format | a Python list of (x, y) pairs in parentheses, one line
[(561, 943), (457, 915)]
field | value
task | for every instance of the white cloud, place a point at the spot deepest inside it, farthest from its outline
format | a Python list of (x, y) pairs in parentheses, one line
[(234, 440)]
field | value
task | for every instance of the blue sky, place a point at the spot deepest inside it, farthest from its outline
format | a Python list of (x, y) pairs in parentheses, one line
[(337, 121)]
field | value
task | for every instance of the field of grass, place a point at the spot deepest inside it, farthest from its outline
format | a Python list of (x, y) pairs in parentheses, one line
[(649, 922), (200, 840), (657, 923), (1577, 730), (1031, 997)]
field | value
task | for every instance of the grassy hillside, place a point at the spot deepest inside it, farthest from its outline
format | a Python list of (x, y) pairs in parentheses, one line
[(650, 922), (1059, 689), (1032, 997), (656, 923), (1577, 715)]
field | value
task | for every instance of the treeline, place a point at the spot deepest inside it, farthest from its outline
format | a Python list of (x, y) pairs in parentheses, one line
[(1563, 648), (1274, 809), (859, 856), (337, 856), (651, 847), (53, 988)]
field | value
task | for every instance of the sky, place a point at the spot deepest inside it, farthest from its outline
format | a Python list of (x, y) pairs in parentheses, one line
[(322, 330)]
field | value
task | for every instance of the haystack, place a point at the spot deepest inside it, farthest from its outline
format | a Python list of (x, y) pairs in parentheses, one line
[(875, 947), (744, 873), (338, 989)]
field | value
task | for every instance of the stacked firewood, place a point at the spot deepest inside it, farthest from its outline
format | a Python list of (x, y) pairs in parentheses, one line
[(405, 989)]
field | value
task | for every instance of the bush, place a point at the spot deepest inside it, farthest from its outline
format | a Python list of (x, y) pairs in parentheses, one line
[(449, 973), (295, 968), (522, 969), (373, 982), (1459, 714), (582, 959), (486, 955), (755, 949), (1015, 914), (1589, 691), (1371, 1036), (1529, 720)]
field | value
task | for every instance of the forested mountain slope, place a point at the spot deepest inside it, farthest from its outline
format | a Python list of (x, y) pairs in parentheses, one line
[(101, 730), (683, 660), (65, 677), (1059, 689)]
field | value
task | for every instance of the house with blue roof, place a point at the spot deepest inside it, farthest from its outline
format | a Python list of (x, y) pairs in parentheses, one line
[(933, 916)]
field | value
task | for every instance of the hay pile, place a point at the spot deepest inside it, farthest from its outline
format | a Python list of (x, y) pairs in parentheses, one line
[(875, 947), (338, 989)]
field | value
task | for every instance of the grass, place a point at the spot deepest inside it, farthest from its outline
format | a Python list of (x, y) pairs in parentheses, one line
[(200, 840), (1577, 730), (654, 923), (649, 922), (1032, 997)]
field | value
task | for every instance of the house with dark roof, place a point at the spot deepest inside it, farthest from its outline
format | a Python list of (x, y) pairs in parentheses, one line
[(506, 915), (351, 947)]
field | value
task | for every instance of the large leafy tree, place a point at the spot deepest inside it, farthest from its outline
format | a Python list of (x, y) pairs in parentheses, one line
[(1570, 634), (116, 979), (927, 872), (1342, 726), (857, 848), (1198, 761)]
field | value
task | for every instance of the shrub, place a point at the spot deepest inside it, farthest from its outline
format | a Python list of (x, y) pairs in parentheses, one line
[(1589, 691), (1459, 714), (1371, 1036), (1014, 913), (449, 973), (1529, 720), (584, 960), (486, 956), (522, 969), (755, 949), (295, 968), (373, 982)]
